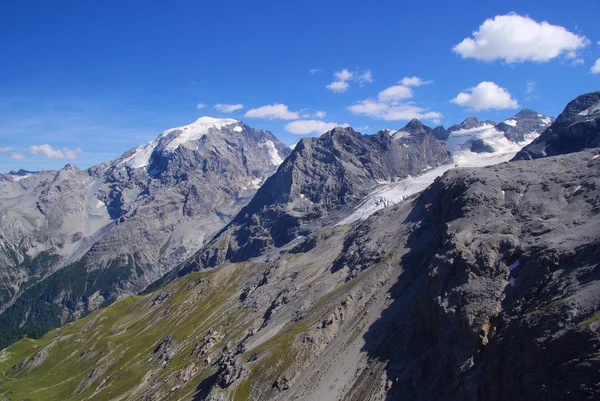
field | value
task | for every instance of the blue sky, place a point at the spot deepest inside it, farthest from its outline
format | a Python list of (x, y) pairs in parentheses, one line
[(92, 79)]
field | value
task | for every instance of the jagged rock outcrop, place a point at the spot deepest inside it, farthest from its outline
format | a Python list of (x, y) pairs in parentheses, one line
[(576, 128)]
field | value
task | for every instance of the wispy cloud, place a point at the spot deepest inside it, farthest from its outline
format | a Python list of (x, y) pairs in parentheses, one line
[(365, 77), (391, 105), (342, 79), (51, 153), (4, 149), (273, 112), (414, 81), (200, 106), (596, 67), (18, 156), (305, 127), (228, 108), (314, 71)]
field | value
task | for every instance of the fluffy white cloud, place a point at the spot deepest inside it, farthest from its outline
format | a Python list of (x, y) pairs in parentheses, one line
[(228, 108), (304, 127), (53, 153), (320, 114), (200, 106), (18, 156), (596, 67), (414, 81), (338, 86), (485, 96), (515, 39), (273, 112), (4, 149), (395, 93)]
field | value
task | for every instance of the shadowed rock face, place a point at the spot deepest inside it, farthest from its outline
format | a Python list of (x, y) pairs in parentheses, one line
[(111, 230), (575, 129), (322, 177)]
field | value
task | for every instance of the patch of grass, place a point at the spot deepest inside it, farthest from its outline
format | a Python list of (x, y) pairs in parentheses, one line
[(589, 321)]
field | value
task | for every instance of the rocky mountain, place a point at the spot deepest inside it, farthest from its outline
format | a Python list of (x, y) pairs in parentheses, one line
[(486, 286), (16, 175), (315, 186), (72, 240), (524, 123), (575, 129), (416, 127), (470, 123)]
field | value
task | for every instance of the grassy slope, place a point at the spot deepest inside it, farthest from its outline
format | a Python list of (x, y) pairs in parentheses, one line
[(122, 337)]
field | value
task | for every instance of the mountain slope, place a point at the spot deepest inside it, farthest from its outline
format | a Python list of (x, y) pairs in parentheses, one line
[(576, 128), (483, 287), (96, 235)]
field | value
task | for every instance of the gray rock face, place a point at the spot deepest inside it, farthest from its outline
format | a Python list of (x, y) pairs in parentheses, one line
[(124, 223), (322, 177), (500, 289), (523, 123), (577, 128)]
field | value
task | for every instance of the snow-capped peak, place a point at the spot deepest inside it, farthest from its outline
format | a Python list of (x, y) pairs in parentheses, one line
[(140, 157), (196, 130)]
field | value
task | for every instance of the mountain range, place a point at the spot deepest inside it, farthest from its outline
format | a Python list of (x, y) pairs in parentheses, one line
[(386, 266)]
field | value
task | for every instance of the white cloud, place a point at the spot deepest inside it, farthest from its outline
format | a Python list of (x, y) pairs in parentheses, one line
[(578, 61), (313, 71), (273, 112), (304, 127), (395, 93), (18, 156), (4, 149), (485, 96), (343, 75), (338, 86), (391, 112), (320, 114), (414, 81), (530, 86), (515, 39), (389, 106), (341, 81), (200, 106), (54, 154), (596, 67), (228, 108), (365, 77)]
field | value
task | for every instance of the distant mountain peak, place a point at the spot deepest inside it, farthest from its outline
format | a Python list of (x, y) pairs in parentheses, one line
[(471, 123)]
